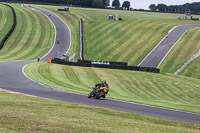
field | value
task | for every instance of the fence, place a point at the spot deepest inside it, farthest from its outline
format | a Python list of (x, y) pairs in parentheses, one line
[(106, 64), (81, 39)]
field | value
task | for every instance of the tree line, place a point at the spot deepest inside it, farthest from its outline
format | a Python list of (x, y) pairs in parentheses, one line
[(193, 8), (82, 3)]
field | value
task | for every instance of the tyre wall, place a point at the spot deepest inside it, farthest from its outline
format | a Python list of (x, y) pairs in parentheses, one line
[(106, 64)]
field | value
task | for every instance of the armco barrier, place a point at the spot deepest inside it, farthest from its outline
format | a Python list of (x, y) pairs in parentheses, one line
[(11, 30), (81, 40), (104, 64)]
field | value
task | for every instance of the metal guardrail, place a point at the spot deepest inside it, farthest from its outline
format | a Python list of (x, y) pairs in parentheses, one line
[(72, 57), (188, 62), (81, 39)]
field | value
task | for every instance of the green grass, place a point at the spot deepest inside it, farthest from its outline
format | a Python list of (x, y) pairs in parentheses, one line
[(188, 45), (32, 38), (6, 20), (192, 70), (129, 41), (28, 114), (164, 90)]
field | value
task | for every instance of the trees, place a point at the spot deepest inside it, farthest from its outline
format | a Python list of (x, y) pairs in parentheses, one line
[(116, 4), (193, 8), (106, 2), (97, 4), (161, 7), (126, 5), (152, 7)]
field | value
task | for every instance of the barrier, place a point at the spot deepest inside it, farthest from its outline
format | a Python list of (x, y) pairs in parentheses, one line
[(81, 39), (12, 28), (49, 60), (104, 64), (65, 9)]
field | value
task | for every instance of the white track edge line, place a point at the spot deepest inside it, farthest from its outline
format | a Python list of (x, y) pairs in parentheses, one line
[(112, 99), (174, 45), (157, 45), (55, 32), (47, 85), (64, 23)]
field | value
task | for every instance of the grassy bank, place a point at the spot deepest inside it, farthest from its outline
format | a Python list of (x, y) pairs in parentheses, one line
[(129, 40), (192, 70), (33, 36), (188, 45), (27, 114), (6, 20), (167, 90)]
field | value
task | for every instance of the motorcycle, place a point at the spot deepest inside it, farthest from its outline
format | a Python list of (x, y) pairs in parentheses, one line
[(99, 92)]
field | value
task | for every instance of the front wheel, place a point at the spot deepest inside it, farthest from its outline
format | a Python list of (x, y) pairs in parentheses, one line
[(99, 95), (89, 96)]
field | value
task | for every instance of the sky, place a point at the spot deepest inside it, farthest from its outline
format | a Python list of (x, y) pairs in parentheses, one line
[(144, 4)]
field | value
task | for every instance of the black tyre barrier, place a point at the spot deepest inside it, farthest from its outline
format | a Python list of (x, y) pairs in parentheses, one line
[(11, 30), (104, 64)]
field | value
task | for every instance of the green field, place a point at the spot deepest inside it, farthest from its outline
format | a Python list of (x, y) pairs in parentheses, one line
[(6, 20), (164, 90), (33, 36), (27, 114)]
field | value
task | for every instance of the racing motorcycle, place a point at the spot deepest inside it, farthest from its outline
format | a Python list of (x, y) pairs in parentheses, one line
[(99, 91)]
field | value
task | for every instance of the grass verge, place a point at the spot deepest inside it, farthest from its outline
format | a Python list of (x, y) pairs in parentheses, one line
[(192, 70), (188, 45), (6, 20), (28, 114), (164, 90), (32, 38)]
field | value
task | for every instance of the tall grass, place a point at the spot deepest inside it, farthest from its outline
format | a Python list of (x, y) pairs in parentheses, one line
[(27, 114), (33, 36), (168, 91)]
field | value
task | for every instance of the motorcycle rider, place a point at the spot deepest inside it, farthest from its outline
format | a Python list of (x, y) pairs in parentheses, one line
[(104, 84), (99, 85)]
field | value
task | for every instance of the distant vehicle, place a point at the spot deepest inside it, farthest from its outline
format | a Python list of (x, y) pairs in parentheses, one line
[(180, 17), (65, 9)]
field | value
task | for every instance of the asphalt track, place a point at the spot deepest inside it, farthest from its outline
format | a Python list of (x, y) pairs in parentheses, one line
[(12, 78), (158, 54)]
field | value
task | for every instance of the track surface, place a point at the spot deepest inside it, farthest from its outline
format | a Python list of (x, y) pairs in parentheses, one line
[(13, 79), (157, 55)]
